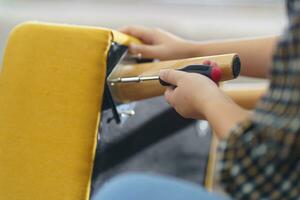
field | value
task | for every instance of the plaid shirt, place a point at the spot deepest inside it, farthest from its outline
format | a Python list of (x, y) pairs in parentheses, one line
[(261, 157)]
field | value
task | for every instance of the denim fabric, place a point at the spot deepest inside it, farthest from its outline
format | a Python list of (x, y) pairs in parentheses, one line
[(152, 187)]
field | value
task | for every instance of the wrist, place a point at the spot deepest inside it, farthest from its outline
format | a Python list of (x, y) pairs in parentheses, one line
[(223, 114), (190, 49), (214, 106), (196, 49)]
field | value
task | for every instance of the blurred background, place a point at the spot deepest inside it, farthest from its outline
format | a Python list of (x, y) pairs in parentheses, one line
[(193, 19), (184, 153)]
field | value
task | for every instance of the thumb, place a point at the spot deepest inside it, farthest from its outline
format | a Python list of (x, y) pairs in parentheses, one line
[(171, 76), (147, 51)]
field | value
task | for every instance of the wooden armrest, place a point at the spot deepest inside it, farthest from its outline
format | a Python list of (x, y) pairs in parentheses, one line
[(245, 94)]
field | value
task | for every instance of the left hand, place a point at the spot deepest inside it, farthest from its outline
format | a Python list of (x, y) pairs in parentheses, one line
[(158, 43)]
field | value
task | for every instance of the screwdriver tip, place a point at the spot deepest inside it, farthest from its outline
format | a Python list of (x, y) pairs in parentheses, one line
[(115, 80)]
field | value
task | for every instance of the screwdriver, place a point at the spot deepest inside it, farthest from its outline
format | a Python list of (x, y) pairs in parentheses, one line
[(214, 73)]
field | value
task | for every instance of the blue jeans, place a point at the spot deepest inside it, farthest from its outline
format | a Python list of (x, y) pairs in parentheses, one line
[(146, 187)]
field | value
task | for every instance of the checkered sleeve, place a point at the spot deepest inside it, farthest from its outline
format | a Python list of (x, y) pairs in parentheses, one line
[(260, 158)]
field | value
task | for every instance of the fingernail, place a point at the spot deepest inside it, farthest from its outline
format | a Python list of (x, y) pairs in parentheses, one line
[(214, 64), (133, 46), (207, 62), (163, 72)]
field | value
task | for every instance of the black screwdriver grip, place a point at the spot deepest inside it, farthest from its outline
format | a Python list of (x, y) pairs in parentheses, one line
[(163, 83), (199, 69)]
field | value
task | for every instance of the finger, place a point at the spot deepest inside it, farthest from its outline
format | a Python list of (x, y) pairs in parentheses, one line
[(169, 95), (125, 29), (171, 76), (143, 33), (206, 62), (211, 63), (214, 64), (147, 51)]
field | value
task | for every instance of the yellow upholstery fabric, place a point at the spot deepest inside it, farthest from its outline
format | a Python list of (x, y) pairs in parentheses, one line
[(51, 90)]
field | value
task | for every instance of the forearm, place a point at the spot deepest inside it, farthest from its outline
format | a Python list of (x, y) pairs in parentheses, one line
[(223, 115), (255, 54)]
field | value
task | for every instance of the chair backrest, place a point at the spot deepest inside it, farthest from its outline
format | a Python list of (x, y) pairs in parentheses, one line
[(51, 90)]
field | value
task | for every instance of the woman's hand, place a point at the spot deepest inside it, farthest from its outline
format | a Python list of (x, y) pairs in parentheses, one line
[(196, 96), (158, 43), (193, 92)]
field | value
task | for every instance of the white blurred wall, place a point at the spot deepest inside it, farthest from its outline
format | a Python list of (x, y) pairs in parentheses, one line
[(189, 20)]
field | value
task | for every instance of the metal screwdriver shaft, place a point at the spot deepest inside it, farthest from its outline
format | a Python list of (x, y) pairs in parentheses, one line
[(134, 79), (214, 73)]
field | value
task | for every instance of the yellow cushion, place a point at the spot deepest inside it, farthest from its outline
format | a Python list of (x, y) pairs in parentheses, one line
[(51, 90)]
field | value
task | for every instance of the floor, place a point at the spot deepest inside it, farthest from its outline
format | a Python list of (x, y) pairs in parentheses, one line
[(155, 140)]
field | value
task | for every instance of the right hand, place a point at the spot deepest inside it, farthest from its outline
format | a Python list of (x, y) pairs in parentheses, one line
[(158, 43), (198, 97), (193, 93)]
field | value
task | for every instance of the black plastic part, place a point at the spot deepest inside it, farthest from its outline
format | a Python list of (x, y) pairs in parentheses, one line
[(115, 54), (144, 60), (110, 101), (236, 66), (199, 69), (164, 83)]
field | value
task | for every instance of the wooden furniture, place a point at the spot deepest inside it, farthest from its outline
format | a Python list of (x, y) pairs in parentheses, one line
[(126, 92)]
